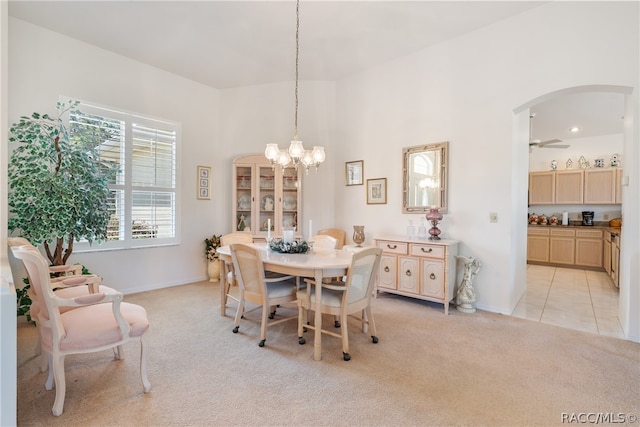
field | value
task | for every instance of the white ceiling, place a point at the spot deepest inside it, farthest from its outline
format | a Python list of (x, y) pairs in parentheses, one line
[(227, 44)]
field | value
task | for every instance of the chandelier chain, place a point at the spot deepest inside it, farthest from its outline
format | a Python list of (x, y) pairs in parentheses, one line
[(297, 56)]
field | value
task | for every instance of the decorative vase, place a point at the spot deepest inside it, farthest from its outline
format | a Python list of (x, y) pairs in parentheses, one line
[(213, 269), (358, 235), (434, 217)]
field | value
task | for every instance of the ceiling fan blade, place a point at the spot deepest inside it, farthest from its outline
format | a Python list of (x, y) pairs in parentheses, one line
[(549, 141), (555, 146)]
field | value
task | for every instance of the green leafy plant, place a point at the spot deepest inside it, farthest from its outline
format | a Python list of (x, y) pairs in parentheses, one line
[(211, 247), (58, 185), (24, 301)]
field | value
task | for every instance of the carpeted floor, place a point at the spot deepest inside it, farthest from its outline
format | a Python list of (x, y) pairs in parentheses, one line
[(478, 369)]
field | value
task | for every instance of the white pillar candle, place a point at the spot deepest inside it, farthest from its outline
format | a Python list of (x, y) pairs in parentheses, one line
[(287, 235), (310, 230), (268, 230)]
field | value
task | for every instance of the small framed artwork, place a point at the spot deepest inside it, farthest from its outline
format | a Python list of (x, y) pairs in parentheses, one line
[(204, 182), (354, 172), (377, 191)]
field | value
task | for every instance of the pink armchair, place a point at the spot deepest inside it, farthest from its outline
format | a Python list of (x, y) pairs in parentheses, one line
[(94, 322)]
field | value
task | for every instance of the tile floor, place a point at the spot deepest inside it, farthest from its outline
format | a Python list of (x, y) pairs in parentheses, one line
[(577, 299)]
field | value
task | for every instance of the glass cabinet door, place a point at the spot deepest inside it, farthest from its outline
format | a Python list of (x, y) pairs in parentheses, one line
[(243, 183), (266, 199), (290, 198)]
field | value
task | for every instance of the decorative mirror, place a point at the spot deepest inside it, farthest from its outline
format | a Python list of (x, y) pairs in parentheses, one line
[(425, 178)]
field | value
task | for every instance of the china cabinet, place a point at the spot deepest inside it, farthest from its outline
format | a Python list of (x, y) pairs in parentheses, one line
[(416, 268), (263, 194)]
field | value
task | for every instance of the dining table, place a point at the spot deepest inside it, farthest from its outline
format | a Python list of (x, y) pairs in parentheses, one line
[(315, 263)]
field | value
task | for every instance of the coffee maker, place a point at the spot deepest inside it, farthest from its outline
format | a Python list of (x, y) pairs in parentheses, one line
[(587, 217)]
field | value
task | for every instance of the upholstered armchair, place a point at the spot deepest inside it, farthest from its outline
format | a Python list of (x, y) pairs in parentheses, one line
[(91, 323)]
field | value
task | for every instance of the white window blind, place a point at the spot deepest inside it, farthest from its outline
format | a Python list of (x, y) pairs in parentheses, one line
[(143, 198)]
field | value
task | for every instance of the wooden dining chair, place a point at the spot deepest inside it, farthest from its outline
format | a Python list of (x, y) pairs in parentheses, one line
[(344, 298), (257, 289), (336, 233), (227, 240), (96, 322)]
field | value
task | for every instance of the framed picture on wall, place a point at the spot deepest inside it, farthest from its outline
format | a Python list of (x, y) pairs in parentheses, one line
[(354, 172), (377, 191), (204, 183)]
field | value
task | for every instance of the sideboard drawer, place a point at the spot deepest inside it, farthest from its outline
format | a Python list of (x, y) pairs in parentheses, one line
[(389, 247), (431, 251)]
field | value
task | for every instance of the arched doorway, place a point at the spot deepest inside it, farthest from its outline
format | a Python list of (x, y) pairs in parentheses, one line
[(629, 289)]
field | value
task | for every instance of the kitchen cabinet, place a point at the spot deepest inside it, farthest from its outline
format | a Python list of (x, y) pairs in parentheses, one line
[(542, 187), (562, 246), (600, 186), (576, 187), (568, 246), (589, 248), (615, 259), (262, 193), (538, 244), (606, 259), (618, 186), (421, 269), (569, 187)]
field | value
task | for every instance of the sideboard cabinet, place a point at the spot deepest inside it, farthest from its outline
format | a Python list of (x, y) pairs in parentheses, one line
[(422, 269), (262, 193)]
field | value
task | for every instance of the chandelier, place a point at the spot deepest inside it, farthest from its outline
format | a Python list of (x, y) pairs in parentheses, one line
[(296, 153)]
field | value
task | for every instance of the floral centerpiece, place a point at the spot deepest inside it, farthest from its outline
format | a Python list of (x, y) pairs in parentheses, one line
[(211, 247), (295, 247)]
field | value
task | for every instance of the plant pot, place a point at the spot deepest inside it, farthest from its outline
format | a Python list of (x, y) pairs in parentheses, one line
[(213, 269)]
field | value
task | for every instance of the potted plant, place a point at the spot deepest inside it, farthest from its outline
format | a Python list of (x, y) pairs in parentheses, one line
[(58, 183), (211, 252)]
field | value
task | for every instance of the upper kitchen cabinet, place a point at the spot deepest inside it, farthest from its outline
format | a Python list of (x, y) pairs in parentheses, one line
[(263, 194), (542, 187), (600, 186), (619, 186), (576, 187), (569, 187)]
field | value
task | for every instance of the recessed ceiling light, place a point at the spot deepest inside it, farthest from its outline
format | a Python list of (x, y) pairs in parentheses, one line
[(575, 129)]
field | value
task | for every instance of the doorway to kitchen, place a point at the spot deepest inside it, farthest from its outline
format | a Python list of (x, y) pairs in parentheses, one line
[(569, 297)]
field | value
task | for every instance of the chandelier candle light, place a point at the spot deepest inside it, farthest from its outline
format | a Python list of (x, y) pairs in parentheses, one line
[(434, 217), (296, 153)]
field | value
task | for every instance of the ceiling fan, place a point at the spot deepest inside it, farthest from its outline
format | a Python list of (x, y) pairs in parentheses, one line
[(542, 144)]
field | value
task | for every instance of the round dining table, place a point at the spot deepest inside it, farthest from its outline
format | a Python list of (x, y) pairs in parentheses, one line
[(316, 263)]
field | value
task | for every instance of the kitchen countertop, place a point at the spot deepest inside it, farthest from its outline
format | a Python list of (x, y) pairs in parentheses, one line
[(600, 225)]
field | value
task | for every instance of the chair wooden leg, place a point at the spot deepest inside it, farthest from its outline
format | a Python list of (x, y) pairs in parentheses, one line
[(345, 336), (61, 386), (48, 385), (239, 312), (143, 365), (302, 315), (372, 325), (263, 325)]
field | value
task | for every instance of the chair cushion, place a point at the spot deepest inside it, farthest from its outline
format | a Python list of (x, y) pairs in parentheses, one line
[(281, 289), (95, 326)]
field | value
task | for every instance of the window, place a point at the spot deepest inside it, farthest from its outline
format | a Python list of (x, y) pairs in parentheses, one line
[(143, 195)]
